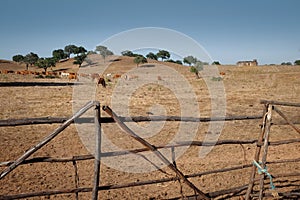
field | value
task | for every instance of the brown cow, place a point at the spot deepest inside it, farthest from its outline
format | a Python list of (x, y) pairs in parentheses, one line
[(101, 81), (117, 76), (73, 76), (24, 72)]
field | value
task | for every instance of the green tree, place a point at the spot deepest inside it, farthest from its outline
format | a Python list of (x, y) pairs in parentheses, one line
[(18, 58), (30, 59), (190, 60), (152, 56), (297, 62), (216, 63), (174, 61), (196, 68), (178, 62), (127, 53), (286, 63), (45, 63), (91, 52), (70, 49), (59, 54), (163, 54), (104, 51), (139, 59), (79, 59), (80, 50)]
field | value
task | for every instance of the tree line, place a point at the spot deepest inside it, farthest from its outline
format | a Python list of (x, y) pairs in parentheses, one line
[(195, 64), (79, 52), (80, 55)]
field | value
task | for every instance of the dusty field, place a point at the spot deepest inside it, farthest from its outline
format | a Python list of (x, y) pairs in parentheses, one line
[(244, 87)]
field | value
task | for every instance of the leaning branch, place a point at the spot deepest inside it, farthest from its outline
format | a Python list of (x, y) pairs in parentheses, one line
[(155, 151)]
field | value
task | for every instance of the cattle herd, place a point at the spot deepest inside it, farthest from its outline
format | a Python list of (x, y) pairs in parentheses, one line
[(100, 79), (97, 78)]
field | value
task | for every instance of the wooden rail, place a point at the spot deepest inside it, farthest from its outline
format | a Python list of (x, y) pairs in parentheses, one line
[(55, 120), (262, 144)]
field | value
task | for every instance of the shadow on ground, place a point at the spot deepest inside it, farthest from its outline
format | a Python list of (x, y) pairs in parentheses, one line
[(30, 84)]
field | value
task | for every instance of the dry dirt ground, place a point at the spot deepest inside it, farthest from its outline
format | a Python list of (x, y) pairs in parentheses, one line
[(169, 86)]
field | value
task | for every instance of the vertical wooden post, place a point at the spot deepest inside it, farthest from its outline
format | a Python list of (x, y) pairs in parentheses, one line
[(97, 152), (257, 153), (265, 150), (76, 177)]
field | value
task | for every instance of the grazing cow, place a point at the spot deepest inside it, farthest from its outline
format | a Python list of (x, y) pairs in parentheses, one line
[(64, 74), (73, 76), (222, 73), (52, 73), (10, 71), (117, 76), (108, 75), (25, 72), (101, 81)]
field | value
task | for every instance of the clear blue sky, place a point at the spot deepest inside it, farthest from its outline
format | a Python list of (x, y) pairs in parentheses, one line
[(230, 30)]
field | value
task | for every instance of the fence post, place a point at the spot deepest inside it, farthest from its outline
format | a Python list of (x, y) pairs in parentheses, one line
[(257, 153), (97, 152), (76, 177), (265, 149)]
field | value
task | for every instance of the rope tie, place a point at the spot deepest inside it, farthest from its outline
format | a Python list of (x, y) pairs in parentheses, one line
[(265, 171)]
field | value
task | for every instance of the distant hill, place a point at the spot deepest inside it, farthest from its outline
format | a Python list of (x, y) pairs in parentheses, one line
[(10, 65), (63, 66), (117, 65)]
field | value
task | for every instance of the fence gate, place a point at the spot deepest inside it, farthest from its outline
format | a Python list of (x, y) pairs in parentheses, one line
[(247, 191)]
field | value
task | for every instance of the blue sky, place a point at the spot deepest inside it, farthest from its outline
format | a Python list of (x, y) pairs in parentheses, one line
[(231, 30)]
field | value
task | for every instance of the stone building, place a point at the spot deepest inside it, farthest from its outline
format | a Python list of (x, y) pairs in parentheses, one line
[(247, 63)]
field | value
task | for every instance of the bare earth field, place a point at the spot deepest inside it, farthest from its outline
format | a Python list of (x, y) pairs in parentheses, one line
[(244, 88)]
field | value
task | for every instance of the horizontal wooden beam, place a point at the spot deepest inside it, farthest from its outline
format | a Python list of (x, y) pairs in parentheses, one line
[(53, 120), (280, 103), (126, 152), (133, 184)]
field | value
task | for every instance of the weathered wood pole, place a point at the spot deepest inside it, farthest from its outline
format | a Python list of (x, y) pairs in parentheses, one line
[(256, 155), (97, 152), (265, 150), (202, 195)]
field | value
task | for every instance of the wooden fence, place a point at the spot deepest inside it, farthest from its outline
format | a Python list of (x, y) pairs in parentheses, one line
[(262, 144)]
